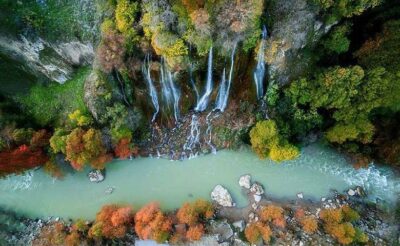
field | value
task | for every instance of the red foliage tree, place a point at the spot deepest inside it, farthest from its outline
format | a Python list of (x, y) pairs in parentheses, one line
[(112, 222), (21, 159), (123, 149), (151, 223)]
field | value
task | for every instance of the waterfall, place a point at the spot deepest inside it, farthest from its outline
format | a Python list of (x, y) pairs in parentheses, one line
[(203, 102), (223, 94), (259, 73), (170, 91), (152, 89), (193, 84), (194, 138)]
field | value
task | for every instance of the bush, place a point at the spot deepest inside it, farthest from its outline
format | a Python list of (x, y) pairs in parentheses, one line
[(337, 41), (255, 232), (309, 225), (50, 105)]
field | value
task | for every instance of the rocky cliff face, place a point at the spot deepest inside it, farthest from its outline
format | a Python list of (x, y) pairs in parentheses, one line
[(295, 27), (54, 61)]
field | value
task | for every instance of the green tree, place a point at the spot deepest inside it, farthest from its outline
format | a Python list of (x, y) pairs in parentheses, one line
[(267, 142)]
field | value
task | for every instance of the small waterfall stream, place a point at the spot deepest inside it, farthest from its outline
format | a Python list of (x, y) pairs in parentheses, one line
[(193, 138), (259, 72), (193, 84), (205, 98), (150, 84)]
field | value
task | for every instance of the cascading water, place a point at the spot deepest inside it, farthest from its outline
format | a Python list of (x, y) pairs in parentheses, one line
[(170, 91), (223, 94), (194, 137), (152, 89), (208, 136), (193, 84), (203, 101), (259, 73), (176, 95)]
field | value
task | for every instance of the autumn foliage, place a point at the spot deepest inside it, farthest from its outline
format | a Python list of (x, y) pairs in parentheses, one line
[(254, 232), (20, 159), (337, 223), (123, 149), (151, 223), (112, 222), (274, 214), (193, 213)]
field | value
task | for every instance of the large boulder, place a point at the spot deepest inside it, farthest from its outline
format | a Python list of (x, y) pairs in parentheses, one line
[(222, 196), (96, 176), (257, 189)]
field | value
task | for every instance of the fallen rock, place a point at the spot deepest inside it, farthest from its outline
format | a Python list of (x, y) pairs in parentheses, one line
[(222, 229), (239, 225), (96, 176), (300, 195), (257, 198), (245, 181), (257, 189), (222, 196)]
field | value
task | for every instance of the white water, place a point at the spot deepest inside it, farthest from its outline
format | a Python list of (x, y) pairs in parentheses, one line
[(223, 94), (143, 180), (170, 91), (193, 140), (152, 89), (208, 135), (205, 98), (259, 73)]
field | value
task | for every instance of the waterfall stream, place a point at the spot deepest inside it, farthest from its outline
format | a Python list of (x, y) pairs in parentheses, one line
[(170, 91), (205, 98), (259, 73), (150, 84), (223, 94)]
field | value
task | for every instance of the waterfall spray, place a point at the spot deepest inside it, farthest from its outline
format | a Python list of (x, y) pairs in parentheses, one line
[(223, 94), (152, 89), (259, 73), (203, 102)]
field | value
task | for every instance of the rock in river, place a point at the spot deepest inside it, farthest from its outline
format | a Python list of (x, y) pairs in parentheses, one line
[(245, 181), (257, 189), (222, 196), (96, 176)]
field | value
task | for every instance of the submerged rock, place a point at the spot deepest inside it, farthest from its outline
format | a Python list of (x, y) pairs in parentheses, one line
[(96, 176), (245, 181), (222, 196)]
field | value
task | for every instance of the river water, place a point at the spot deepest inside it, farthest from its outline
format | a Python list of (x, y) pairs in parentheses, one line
[(143, 180)]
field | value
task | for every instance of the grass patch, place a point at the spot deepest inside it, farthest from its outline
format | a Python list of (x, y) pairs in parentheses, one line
[(50, 105)]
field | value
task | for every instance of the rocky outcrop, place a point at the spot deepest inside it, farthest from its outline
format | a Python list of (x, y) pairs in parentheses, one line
[(96, 176), (295, 26), (222, 196), (53, 61)]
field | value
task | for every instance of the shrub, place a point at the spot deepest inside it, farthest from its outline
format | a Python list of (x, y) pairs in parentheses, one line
[(309, 225), (111, 51), (79, 118), (254, 232), (337, 41), (125, 14), (195, 232), (331, 216)]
